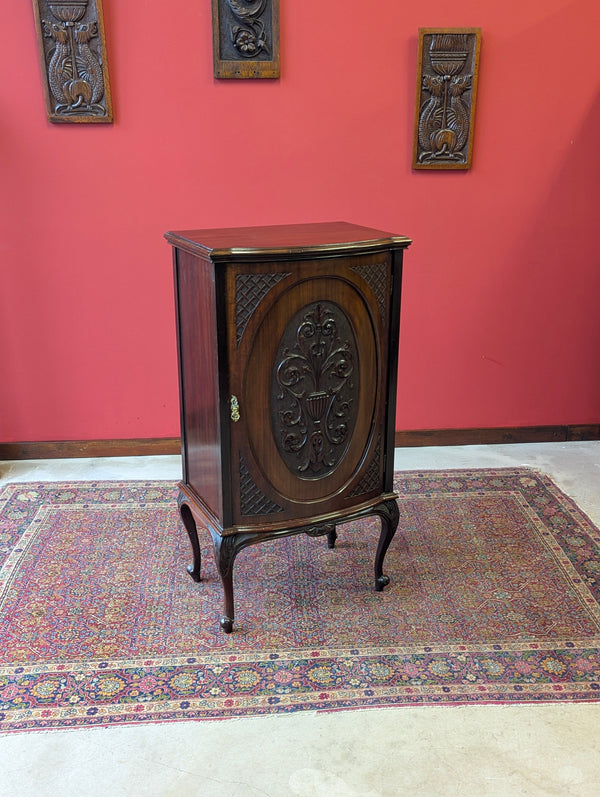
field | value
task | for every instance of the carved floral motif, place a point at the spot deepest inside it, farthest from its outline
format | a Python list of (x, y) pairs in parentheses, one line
[(246, 38), (314, 394), (248, 33)]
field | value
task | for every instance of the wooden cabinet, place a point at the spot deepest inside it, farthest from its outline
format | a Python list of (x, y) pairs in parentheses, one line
[(288, 346)]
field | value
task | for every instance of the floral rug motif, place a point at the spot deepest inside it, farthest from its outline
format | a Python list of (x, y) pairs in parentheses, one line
[(494, 598)]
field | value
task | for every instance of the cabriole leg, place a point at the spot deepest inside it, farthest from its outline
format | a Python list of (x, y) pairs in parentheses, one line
[(190, 526), (389, 514), (226, 550), (331, 537)]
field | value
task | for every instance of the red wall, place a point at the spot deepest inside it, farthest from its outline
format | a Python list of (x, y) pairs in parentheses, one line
[(501, 321)]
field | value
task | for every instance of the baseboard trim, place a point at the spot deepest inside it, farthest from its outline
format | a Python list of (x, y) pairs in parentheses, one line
[(70, 449), (514, 434)]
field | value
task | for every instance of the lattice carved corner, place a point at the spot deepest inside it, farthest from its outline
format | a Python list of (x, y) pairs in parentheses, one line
[(252, 500), (376, 277), (250, 290), (372, 477)]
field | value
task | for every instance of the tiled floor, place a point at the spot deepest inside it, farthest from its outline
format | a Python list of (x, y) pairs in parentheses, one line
[(479, 750)]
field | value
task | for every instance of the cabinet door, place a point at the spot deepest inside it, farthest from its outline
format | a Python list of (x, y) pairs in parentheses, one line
[(308, 367)]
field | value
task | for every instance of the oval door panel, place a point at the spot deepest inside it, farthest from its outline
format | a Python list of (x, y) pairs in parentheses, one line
[(310, 389)]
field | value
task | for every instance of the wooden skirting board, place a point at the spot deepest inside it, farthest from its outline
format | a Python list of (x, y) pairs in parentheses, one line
[(515, 434), (68, 449)]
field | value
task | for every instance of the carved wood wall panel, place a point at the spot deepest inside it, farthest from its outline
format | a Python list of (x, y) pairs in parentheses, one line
[(72, 50), (447, 72), (245, 38)]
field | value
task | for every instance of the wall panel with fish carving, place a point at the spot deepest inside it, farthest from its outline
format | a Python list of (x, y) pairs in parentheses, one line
[(448, 68), (73, 58)]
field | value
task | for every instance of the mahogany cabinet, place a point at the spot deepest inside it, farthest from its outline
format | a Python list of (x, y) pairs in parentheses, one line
[(288, 346)]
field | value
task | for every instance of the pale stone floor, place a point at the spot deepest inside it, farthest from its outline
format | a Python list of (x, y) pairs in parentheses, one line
[(494, 750)]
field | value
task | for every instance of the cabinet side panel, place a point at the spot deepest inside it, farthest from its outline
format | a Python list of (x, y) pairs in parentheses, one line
[(392, 377), (198, 373)]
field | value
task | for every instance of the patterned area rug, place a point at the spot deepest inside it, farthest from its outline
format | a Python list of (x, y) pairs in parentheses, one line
[(494, 598)]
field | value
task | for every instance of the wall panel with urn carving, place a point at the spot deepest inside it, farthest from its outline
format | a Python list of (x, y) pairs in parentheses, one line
[(246, 38), (72, 50), (448, 68)]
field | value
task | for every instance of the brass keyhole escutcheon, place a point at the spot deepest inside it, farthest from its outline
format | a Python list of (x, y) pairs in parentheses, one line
[(235, 409)]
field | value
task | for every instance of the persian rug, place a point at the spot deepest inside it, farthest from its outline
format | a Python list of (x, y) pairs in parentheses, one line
[(494, 598)]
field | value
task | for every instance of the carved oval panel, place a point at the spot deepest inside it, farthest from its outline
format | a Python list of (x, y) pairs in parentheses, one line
[(310, 390), (314, 390)]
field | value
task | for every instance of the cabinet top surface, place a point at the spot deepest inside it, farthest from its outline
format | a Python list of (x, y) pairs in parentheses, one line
[(285, 239)]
